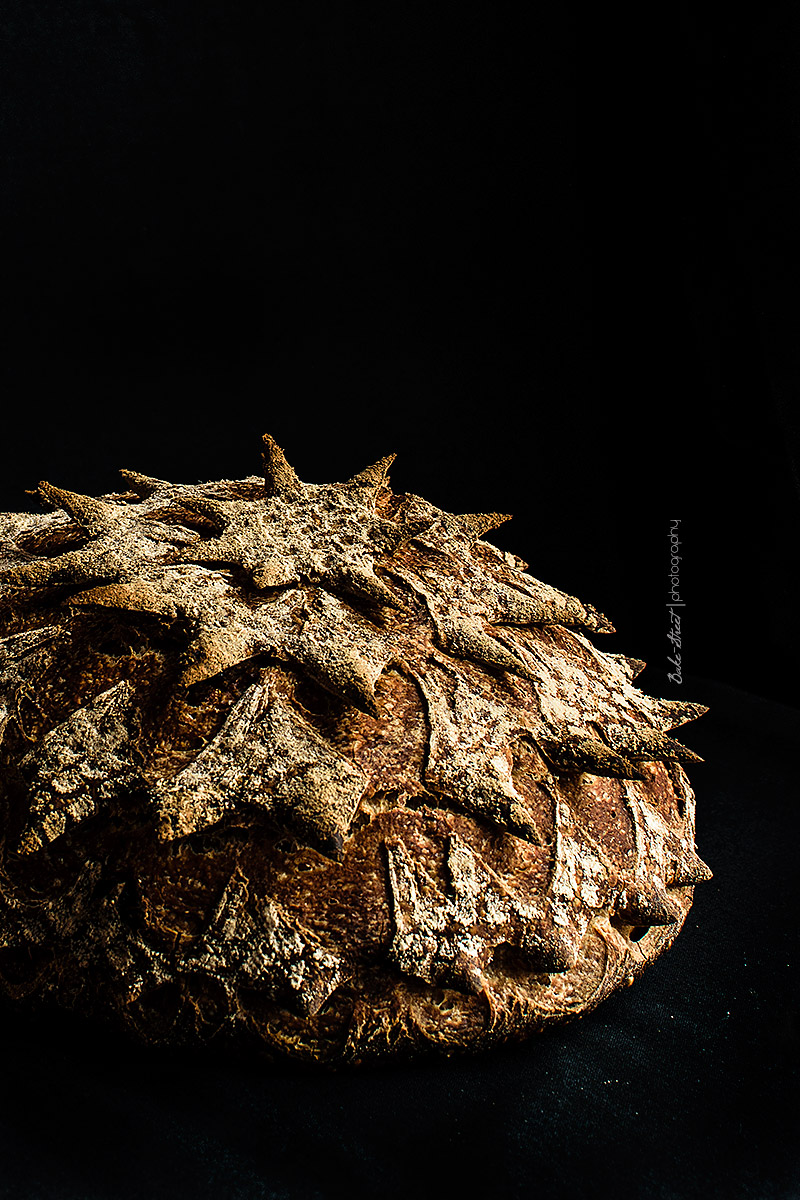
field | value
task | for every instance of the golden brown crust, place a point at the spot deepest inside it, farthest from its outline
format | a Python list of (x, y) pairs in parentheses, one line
[(313, 768)]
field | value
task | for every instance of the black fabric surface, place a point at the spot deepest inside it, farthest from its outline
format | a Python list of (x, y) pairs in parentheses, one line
[(681, 1087)]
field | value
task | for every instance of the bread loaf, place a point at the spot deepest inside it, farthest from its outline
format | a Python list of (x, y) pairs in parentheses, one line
[(316, 769)]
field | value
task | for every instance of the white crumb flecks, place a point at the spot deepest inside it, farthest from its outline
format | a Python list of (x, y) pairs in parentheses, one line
[(643, 897), (119, 548), (579, 885), (518, 600), (327, 531), (470, 739), (341, 650), (221, 629), (268, 756), (20, 660), (446, 935), (82, 764), (252, 940), (135, 966)]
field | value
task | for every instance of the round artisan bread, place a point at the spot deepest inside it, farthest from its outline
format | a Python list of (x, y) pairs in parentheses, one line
[(316, 769)]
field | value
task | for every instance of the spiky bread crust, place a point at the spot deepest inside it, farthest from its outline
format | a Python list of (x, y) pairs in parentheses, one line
[(314, 767)]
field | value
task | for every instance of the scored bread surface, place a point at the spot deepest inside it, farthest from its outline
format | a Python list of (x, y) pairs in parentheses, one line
[(315, 769)]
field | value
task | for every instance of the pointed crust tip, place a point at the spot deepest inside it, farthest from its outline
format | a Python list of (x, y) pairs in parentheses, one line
[(88, 511), (640, 743), (572, 753), (279, 476), (690, 871), (476, 524), (143, 485), (673, 713), (375, 474), (216, 512)]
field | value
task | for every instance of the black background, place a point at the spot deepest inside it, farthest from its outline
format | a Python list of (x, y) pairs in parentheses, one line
[(552, 264)]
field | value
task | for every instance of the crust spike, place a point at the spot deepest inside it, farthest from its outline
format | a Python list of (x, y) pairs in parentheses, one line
[(597, 621), (94, 515), (669, 714), (342, 671), (466, 639), (690, 870), (69, 568), (629, 666), (143, 485), (79, 766), (641, 743), (515, 608), (279, 477), (289, 770), (136, 595), (587, 753), (476, 524), (366, 585), (651, 904), (549, 607), (375, 475), (216, 511)]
